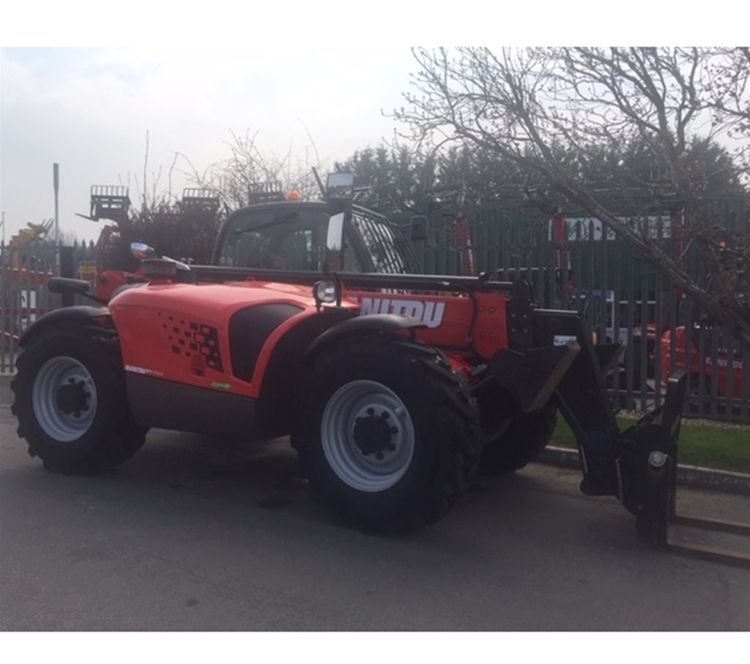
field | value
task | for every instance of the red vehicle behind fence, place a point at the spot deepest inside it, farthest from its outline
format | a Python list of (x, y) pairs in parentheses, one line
[(727, 374)]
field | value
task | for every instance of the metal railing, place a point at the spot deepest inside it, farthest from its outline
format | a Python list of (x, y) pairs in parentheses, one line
[(24, 296), (622, 298)]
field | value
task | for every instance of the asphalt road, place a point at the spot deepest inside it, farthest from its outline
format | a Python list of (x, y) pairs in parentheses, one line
[(189, 535)]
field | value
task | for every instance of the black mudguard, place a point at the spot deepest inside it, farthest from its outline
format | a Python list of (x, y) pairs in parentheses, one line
[(80, 313), (371, 323)]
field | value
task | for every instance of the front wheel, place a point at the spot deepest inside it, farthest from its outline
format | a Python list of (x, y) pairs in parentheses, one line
[(523, 441), (70, 400), (388, 435)]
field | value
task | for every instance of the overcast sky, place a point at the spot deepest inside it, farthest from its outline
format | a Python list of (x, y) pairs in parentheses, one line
[(318, 63), (89, 109)]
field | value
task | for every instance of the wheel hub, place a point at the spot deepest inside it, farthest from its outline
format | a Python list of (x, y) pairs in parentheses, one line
[(367, 435), (374, 433), (72, 397), (64, 398)]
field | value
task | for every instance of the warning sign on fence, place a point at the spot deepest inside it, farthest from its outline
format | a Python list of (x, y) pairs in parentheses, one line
[(87, 270)]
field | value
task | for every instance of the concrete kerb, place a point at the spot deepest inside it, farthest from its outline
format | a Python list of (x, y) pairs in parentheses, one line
[(705, 478), (694, 476)]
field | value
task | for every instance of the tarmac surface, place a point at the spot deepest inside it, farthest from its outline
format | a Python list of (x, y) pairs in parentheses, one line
[(193, 534)]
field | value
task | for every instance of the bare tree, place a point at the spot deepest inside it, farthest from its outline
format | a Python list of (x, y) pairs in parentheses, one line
[(247, 165), (184, 230), (728, 90), (552, 110), (728, 87)]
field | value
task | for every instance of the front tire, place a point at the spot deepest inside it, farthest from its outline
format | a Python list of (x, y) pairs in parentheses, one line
[(387, 434), (523, 441), (70, 400)]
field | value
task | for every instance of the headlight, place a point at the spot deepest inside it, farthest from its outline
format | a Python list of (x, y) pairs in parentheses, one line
[(325, 291)]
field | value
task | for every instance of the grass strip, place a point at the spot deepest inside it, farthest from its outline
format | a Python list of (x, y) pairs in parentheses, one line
[(721, 447)]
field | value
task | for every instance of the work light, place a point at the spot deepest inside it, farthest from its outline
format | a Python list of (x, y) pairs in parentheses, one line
[(325, 291)]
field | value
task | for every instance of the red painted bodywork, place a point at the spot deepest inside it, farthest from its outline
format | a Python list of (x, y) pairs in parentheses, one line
[(687, 357), (160, 312), (454, 327), (153, 319)]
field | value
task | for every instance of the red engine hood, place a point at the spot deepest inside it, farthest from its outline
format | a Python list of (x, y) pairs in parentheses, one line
[(211, 302)]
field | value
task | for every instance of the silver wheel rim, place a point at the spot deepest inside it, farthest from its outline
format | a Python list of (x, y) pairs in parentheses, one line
[(374, 471), (62, 421)]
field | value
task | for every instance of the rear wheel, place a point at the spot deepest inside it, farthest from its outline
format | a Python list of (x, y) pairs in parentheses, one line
[(520, 443), (388, 434), (70, 400)]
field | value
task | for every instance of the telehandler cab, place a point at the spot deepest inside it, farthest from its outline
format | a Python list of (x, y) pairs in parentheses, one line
[(392, 413)]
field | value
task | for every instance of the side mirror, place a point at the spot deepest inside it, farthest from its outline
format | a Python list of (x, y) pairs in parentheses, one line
[(340, 192), (142, 251), (334, 258), (418, 228)]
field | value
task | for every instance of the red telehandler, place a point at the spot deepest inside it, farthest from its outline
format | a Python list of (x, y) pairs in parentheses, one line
[(393, 413)]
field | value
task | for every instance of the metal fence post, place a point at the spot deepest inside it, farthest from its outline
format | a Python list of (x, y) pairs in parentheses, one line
[(67, 270)]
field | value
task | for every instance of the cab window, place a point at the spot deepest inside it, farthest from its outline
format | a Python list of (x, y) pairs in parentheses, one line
[(280, 239)]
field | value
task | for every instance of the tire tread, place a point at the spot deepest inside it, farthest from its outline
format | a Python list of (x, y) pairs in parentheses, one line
[(123, 436)]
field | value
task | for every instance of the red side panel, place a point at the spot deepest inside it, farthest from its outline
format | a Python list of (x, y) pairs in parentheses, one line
[(448, 318), (179, 332)]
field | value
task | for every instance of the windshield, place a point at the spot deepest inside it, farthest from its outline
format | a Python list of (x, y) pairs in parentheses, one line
[(295, 238), (276, 239)]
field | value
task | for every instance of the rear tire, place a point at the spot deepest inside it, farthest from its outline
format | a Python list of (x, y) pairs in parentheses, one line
[(70, 400), (387, 434), (523, 441)]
